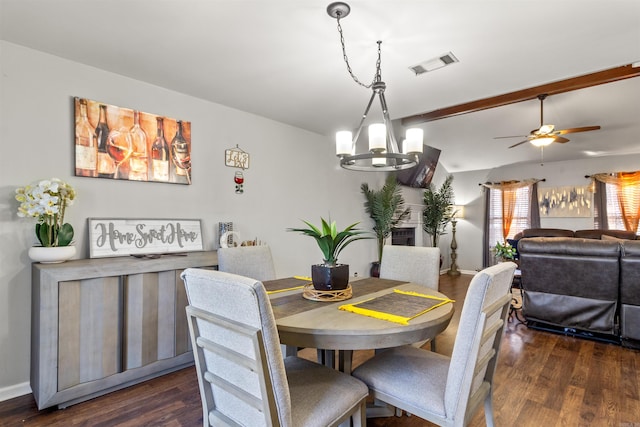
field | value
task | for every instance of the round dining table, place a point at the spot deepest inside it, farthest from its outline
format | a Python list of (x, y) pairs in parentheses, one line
[(304, 323)]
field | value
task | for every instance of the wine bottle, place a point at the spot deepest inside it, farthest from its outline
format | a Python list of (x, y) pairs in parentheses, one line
[(160, 154), (180, 154), (86, 148), (106, 166), (138, 161)]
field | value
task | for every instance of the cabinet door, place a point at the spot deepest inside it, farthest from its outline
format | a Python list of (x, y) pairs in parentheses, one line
[(155, 318), (89, 330)]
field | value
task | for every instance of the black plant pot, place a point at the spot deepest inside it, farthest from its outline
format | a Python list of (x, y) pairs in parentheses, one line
[(375, 269), (330, 277)]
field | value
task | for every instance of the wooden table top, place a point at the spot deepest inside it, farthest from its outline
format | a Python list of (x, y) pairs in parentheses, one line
[(318, 324)]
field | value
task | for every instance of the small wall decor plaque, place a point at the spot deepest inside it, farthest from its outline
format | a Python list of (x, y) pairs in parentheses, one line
[(111, 237), (236, 158)]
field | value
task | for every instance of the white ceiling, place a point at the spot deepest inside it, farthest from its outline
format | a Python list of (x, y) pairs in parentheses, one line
[(282, 60)]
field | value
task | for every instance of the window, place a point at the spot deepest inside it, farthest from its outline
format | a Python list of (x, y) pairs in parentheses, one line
[(521, 218), (614, 213)]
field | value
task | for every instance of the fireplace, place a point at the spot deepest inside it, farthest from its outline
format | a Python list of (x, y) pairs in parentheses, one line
[(403, 236)]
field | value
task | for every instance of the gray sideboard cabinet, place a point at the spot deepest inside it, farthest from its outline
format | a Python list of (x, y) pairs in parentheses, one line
[(99, 325)]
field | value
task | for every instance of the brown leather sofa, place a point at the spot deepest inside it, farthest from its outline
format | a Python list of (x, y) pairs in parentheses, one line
[(582, 285), (630, 294), (587, 234)]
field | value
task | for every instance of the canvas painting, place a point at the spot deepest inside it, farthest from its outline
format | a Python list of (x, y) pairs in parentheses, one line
[(120, 143), (565, 202)]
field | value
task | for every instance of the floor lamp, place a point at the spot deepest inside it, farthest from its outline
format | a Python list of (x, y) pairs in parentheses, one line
[(458, 213)]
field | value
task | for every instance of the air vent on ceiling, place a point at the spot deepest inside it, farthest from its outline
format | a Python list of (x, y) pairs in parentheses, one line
[(433, 64)]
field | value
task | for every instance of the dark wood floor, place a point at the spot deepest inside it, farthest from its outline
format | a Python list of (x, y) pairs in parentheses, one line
[(543, 379)]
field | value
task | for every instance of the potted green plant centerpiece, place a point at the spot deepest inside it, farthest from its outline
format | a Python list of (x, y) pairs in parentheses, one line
[(438, 209), (330, 275), (386, 209)]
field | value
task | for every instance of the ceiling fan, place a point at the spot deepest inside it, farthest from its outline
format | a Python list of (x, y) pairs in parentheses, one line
[(547, 134)]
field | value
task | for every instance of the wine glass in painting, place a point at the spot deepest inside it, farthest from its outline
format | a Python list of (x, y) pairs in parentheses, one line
[(119, 147), (182, 159)]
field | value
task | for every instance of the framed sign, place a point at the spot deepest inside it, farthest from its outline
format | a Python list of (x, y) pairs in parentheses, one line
[(111, 237)]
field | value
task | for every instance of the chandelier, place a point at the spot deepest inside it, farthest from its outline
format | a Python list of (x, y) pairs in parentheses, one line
[(383, 153)]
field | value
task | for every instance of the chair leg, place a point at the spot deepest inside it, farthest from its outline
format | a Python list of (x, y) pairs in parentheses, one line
[(488, 409), (360, 416)]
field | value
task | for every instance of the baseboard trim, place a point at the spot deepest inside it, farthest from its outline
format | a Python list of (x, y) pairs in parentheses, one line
[(16, 390)]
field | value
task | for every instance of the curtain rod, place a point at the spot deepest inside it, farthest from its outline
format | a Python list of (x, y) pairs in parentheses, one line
[(500, 182)]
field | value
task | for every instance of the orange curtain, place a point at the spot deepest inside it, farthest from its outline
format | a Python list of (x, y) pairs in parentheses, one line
[(627, 185), (508, 190), (629, 197), (508, 207)]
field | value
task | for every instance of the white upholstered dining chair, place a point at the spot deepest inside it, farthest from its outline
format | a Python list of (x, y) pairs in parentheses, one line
[(249, 261), (417, 264), (243, 378), (448, 390)]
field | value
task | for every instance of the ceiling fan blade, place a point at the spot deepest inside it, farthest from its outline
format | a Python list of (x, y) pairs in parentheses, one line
[(560, 139), (519, 143), (574, 130), (514, 136)]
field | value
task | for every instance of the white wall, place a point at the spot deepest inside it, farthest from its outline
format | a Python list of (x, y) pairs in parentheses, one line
[(293, 175), (558, 174)]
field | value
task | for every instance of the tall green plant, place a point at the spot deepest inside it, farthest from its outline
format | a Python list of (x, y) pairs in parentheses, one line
[(438, 209), (386, 208)]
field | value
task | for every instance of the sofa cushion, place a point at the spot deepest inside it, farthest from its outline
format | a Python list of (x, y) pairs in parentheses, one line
[(630, 293), (571, 282), (584, 268), (630, 272), (597, 234), (514, 244), (547, 232)]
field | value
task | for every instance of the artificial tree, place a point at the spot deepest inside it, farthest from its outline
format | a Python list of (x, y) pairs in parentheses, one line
[(438, 209), (386, 207)]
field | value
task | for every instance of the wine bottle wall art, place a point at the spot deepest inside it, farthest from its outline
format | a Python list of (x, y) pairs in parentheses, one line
[(126, 144)]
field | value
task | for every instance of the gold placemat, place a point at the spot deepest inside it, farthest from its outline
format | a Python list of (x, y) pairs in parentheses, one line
[(284, 285), (398, 306), (314, 294)]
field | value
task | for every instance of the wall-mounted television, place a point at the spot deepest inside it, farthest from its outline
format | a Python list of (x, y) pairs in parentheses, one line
[(420, 176)]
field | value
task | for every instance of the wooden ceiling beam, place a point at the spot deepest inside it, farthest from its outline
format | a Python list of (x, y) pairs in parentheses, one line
[(561, 86)]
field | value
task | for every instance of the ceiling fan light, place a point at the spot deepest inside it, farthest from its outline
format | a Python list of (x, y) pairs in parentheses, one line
[(543, 141), (545, 129)]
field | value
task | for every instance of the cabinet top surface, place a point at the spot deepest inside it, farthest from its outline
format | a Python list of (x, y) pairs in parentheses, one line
[(115, 266)]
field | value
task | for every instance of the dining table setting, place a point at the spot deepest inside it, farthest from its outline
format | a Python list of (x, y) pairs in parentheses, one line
[(377, 314)]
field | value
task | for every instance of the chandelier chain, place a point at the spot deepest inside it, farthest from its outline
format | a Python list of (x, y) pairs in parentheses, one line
[(378, 75)]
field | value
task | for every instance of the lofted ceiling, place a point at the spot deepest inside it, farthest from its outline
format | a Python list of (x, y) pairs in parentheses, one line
[(282, 60)]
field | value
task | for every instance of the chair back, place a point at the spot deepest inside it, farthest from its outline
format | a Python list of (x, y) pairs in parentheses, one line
[(239, 363), (249, 261), (477, 343), (415, 264)]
